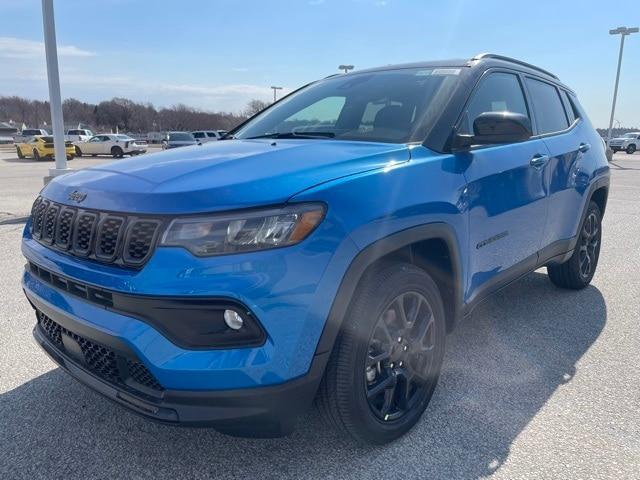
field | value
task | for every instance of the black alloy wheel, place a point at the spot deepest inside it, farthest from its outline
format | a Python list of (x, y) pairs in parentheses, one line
[(398, 367), (589, 245)]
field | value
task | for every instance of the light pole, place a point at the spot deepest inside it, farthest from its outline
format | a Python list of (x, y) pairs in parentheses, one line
[(51, 53), (275, 89), (346, 68), (623, 32)]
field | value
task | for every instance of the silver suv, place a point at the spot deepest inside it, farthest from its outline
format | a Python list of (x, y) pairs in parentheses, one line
[(629, 142)]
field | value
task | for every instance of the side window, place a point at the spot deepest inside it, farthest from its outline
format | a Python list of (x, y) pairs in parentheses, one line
[(568, 107), (198, 134), (547, 107), (498, 92), (212, 135)]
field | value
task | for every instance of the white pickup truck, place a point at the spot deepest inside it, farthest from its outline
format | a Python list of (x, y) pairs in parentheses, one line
[(78, 135)]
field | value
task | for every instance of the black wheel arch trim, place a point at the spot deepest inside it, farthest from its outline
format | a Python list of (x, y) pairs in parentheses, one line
[(374, 252)]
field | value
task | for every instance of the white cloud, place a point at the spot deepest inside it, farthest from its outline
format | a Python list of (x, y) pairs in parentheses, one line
[(12, 47)]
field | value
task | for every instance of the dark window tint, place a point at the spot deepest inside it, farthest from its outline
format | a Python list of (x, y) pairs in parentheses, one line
[(198, 134), (547, 106), (211, 135), (499, 92)]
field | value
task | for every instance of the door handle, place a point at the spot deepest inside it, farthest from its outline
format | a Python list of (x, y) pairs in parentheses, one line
[(539, 161), (584, 147)]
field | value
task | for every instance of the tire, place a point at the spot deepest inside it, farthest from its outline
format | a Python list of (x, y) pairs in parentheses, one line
[(20, 154), (347, 395), (116, 152), (615, 150), (577, 272), (631, 149), (78, 152), (70, 157), (36, 154)]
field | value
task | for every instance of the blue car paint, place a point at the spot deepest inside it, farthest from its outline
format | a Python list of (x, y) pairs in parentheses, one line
[(236, 173), (380, 189)]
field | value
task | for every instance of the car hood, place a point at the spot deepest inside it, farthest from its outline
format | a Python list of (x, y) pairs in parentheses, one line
[(221, 175)]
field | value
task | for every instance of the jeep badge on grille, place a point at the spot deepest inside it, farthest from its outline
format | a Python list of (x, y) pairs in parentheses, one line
[(77, 196)]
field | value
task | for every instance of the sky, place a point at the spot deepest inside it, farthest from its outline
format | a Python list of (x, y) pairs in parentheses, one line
[(217, 55)]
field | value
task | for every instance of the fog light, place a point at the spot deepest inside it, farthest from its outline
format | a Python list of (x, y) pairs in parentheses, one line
[(233, 319)]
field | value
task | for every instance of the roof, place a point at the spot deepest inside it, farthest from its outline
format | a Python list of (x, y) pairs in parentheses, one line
[(483, 58)]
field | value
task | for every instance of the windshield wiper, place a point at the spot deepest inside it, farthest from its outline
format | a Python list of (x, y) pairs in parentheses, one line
[(295, 135)]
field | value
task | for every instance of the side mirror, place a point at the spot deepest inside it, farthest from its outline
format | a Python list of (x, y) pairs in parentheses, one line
[(494, 128)]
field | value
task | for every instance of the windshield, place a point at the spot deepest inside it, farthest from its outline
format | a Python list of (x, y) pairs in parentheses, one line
[(386, 106), (181, 137)]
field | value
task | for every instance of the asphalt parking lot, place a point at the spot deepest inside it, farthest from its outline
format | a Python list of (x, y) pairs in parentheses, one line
[(538, 384)]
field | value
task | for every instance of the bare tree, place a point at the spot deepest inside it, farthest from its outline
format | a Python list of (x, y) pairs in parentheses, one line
[(255, 106)]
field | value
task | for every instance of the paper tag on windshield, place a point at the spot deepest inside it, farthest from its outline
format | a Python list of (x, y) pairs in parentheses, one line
[(446, 71)]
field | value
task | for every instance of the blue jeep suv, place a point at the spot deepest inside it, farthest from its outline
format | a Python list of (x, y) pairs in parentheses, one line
[(322, 251)]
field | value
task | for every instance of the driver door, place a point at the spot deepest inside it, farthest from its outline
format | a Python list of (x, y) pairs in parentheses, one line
[(91, 146), (507, 192)]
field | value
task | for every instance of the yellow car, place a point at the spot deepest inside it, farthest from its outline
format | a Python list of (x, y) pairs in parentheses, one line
[(40, 147)]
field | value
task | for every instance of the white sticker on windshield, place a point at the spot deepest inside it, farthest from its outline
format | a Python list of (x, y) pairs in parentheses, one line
[(446, 71)]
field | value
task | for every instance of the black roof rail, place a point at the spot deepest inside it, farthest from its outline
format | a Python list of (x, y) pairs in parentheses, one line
[(513, 60)]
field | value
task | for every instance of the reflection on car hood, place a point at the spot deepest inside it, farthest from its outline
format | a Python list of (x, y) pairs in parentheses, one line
[(222, 175)]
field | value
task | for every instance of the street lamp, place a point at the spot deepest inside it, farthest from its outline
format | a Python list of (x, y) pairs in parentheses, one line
[(346, 68), (275, 89), (623, 32), (51, 53)]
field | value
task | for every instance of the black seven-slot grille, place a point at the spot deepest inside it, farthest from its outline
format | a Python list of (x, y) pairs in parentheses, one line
[(102, 361), (103, 236)]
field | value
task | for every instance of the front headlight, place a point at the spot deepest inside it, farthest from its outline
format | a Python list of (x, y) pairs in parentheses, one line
[(244, 231)]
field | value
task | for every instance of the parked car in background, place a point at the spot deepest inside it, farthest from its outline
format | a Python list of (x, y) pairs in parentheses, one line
[(178, 139), (79, 134), (115, 144), (28, 133), (325, 251), (629, 142), (41, 147), (204, 136)]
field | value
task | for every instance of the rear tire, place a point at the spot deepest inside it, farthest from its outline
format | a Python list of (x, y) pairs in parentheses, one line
[(19, 152), (116, 152), (36, 154), (631, 149), (375, 402), (78, 152), (577, 272)]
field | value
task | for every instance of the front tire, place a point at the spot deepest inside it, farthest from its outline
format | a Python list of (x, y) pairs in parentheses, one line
[(577, 272), (385, 364), (631, 149), (78, 152)]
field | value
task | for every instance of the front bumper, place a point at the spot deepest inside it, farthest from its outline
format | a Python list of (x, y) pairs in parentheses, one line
[(259, 412)]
